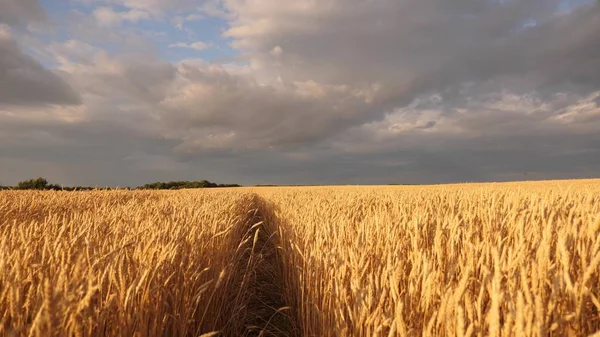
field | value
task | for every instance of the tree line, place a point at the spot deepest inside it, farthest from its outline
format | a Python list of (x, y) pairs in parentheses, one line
[(178, 185), (43, 184)]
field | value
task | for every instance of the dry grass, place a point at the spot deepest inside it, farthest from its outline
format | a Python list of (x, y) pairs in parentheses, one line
[(518, 259)]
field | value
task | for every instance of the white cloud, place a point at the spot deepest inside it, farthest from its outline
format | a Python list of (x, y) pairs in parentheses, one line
[(585, 110), (215, 8), (5, 31), (277, 51), (107, 17), (179, 20), (198, 45)]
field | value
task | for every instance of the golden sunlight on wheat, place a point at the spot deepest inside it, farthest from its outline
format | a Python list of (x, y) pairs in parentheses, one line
[(516, 259), (113, 263)]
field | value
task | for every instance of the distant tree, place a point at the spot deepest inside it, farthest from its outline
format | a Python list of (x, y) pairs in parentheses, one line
[(34, 184), (177, 185), (42, 184)]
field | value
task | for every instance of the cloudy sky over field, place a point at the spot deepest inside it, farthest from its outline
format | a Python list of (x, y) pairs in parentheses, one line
[(123, 92)]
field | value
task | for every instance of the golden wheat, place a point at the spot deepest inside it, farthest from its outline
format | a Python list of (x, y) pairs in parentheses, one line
[(113, 263), (516, 259)]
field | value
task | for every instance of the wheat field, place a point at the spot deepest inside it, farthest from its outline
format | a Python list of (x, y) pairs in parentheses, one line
[(512, 259)]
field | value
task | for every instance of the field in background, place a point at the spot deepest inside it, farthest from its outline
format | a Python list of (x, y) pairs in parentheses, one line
[(467, 260)]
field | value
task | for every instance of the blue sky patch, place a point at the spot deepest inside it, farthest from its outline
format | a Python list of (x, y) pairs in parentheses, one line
[(168, 34)]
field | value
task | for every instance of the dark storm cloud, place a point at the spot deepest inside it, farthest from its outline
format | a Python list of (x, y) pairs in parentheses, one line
[(25, 82), (404, 49), (85, 153), (417, 46)]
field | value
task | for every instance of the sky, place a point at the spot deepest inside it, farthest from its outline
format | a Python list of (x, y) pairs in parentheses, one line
[(125, 92)]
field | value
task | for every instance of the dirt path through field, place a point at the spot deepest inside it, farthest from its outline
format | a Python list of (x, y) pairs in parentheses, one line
[(260, 303)]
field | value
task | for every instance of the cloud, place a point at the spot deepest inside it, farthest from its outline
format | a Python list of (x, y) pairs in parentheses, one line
[(331, 91), (5, 31), (209, 98), (25, 82), (86, 152), (157, 8), (277, 51), (21, 12), (405, 50), (415, 46), (585, 110), (107, 17), (336, 75), (198, 45), (180, 20), (215, 8)]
